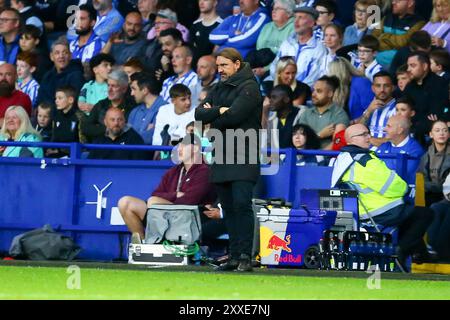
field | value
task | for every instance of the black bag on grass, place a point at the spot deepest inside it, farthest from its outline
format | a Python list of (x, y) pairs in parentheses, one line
[(43, 244)]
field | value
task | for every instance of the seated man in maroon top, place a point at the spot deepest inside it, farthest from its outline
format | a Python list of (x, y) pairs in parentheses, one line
[(9, 96), (186, 183)]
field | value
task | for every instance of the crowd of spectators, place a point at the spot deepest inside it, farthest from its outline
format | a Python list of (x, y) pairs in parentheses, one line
[(321, 65)]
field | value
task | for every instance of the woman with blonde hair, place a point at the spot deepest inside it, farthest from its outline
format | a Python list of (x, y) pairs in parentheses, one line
[(354, 92), (439, 25), (285, 72), (17, 127)]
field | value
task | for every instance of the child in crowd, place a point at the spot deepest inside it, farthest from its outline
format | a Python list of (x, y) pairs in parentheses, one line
[(132, 66), (66, 121), (26, 66), (403, 77), (360, 28), (327, 12), (44, 121), (97, 89), (30, 41), (172, 118), (440, 63), (368, 47)]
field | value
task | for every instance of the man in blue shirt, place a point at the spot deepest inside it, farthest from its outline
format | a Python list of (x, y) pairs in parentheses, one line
[(399, 141), (144, 89), (87, 44), (9, 35), (241, 31), (109, 20)]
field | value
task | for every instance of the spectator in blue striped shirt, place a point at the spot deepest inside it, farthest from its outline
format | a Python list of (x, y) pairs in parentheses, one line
[(381, 108), (367, 50), (87, 44), (182, 66), (327, 12), (26, 65), (109, 20)]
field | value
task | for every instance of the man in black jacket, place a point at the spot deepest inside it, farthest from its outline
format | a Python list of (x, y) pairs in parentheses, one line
[(234, 108), (429, 92)]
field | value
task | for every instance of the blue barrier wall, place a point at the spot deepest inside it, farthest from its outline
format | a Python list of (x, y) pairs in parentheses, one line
[(34, 192)]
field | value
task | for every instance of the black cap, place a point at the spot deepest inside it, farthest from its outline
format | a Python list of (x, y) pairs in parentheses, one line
[(191, 138), (311, 11)]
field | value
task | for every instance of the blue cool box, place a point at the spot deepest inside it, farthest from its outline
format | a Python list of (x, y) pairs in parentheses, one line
[(287, 234)]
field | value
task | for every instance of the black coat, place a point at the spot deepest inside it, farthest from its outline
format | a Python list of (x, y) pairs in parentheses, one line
[(72, 75), (241, 94)]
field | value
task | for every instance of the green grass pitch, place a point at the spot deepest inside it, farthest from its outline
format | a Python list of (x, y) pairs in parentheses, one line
[(52, 283)]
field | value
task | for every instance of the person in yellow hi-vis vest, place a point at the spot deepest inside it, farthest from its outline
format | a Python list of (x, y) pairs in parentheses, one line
[(381, 193)]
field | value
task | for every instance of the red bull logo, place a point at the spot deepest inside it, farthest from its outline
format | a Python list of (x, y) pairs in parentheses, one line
[(276, 243)]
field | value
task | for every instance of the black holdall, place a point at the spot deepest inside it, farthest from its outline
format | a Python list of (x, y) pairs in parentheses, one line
[(43, 244)]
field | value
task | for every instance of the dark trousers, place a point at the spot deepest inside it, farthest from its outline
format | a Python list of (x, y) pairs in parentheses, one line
[(412, 223), (439, 230), (236, 200)]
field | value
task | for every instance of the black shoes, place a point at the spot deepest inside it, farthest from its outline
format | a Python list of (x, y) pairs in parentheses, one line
[(230, 265), (244, 264)]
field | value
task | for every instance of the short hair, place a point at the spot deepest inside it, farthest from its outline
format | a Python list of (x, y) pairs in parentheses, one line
[(173, 32), (99, 58), (366, 3), (90, 10), (408, 100), (15, 11), (32, 31), (230, 54), (146, 80), (68, 90), (402, 69), (134, 62), (420, 39), (61, 41), (369, 41), (285, 89), (45, 106), (383, 74), (328, 4), (421, 56), (28, 57), (120, 76), (331, 81), (289, 5), (441, 57), (27, 3), (179, 90), (188, 50)]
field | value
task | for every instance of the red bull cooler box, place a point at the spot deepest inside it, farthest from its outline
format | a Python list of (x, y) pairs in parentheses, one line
[(290, 237)]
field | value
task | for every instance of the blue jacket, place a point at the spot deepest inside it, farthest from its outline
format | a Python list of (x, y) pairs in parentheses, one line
[(412, 148), (240, 32), (361, 96), (71, 75), (308, 58)]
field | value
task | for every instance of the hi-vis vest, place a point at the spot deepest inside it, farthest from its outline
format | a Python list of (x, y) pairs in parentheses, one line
[(380, 188)]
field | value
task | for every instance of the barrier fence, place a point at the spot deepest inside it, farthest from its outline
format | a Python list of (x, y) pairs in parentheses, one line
[(78, 196)]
